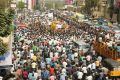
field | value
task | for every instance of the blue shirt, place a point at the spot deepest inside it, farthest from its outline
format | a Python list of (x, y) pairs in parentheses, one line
[(62, 77), (30, 75), (42, 64)]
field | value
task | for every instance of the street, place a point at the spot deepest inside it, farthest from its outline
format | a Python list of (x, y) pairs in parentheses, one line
[(48, 50)]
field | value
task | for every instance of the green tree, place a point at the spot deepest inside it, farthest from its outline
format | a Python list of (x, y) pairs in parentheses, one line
[(3, 47), (6, 22), (21, 5), (6, 18)]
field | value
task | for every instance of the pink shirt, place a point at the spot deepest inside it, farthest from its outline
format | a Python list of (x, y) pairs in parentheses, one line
[(55, 58), (88, 57), (52, 77)]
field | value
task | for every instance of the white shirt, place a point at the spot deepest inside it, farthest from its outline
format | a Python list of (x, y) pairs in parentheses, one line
[(84, 69), (76, 54), (72, 56), (89, 66), (100, 39), (64, 49), (80, 75), (31, 51), (64, 71), (56, 54), (109, 44), (93, 66), (51, 54), (36, 75), (31, 55), (89, 78), (39, 72)]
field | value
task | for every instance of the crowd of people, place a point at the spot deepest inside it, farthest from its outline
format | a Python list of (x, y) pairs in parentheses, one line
[(107, 37), (41, 54)]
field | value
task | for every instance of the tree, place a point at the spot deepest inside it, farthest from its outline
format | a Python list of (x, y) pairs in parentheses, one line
[(6, 17), (3, 47), (21, 5), (5, 22)]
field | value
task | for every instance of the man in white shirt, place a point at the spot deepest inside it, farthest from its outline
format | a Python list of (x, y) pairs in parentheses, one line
[(80, 75), (93, 66), (89, 66), (90, 77), (75, 54), (64, 71), (36, 75), (51, 55), (84, 69), (56, 54), (72, 57)]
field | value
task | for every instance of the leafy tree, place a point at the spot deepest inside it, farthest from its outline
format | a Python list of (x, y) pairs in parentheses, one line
[(21, 5), (3, 47), (6, 18), (5, 22)]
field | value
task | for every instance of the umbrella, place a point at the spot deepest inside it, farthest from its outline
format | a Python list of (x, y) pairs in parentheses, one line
[(22, 25)]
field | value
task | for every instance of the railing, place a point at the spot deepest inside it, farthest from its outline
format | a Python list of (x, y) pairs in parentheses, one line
[(105, 51)]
